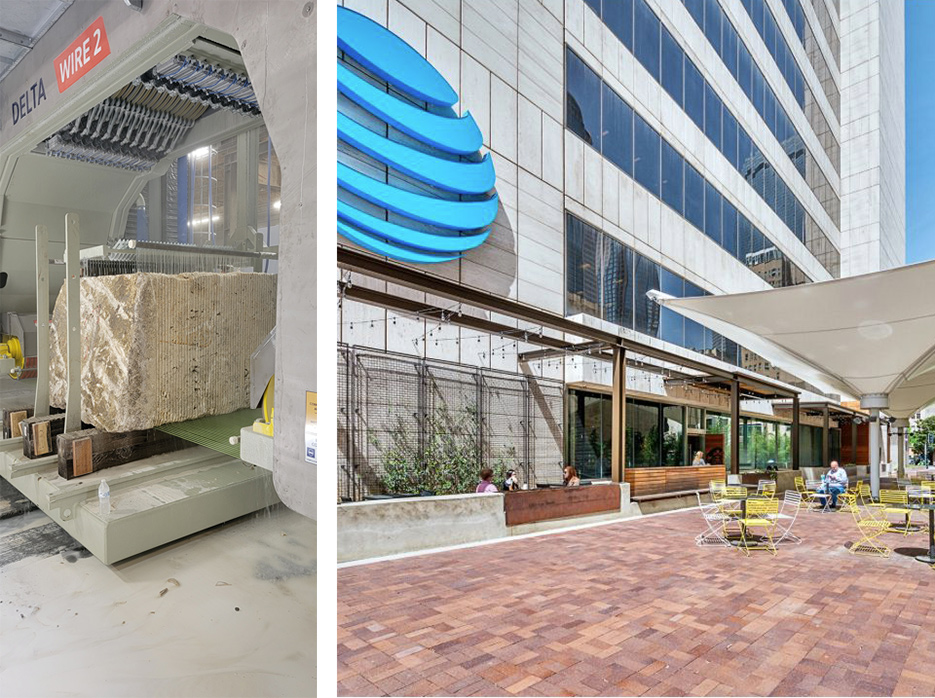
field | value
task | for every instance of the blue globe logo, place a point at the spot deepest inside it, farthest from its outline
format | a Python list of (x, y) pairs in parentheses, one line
[(412, 184)]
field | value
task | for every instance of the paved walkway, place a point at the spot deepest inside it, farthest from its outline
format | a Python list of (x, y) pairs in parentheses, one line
[(635, 608)]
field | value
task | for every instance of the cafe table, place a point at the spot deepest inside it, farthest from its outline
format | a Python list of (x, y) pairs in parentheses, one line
[(930, 507)]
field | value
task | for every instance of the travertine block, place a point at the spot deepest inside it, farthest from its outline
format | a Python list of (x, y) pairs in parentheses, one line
[(158, 348)]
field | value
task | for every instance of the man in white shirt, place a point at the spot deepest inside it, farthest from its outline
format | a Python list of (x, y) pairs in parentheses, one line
[(834, 483)]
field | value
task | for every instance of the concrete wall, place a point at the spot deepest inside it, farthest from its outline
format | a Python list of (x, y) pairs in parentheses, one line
[(392, 526), (873, 136)]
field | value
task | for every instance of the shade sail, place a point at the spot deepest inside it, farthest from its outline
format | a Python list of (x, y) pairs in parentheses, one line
[(861, 335)]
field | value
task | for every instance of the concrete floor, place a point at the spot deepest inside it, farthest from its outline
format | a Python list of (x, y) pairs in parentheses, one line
[(227, 612)]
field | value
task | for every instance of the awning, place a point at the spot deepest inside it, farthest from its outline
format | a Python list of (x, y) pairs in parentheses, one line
[(862, 335)]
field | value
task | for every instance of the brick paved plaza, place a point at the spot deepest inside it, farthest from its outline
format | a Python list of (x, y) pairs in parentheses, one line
[(635, 608)]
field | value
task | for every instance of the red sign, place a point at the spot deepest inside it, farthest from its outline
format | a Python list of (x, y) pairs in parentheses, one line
[(85, 52)]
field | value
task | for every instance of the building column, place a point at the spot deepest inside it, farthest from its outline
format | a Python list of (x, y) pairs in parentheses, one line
[(735, 427), (618, 431), (901, 425), (854, 426), (794, 445), (825, 436)]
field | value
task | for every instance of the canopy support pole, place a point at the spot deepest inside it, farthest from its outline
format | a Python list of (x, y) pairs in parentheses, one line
[(901, 425), (794, 445), (735, 427), (874, 402), (618, 431)]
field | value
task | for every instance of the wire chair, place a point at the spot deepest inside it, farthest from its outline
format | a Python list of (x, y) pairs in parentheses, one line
[(716, 522)]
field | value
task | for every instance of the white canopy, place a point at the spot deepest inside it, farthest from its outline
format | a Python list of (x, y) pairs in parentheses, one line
[(859, 336)]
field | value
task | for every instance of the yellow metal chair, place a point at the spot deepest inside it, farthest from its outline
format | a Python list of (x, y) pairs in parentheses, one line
[(849, 498), (895, 502), (864, 494), (766, 488), (762, 515), (870, 529), (803, 491)]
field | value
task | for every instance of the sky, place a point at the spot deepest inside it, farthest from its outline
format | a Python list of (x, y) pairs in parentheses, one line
[(920, 136)]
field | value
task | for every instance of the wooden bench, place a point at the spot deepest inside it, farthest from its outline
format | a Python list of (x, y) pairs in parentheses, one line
[(666, 495)]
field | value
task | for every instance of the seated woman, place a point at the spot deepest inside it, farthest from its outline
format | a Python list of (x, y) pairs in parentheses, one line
[(698, 459), (486, 485), (571, 476)]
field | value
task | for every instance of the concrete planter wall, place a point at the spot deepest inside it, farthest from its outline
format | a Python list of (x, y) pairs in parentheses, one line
[(392, 526)]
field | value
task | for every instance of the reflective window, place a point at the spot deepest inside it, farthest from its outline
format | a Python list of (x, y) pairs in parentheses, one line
[(712, 217), (642, 434), (589, 432), (617, 273), (582, 256), (618, 15), (744, 150), (696, 10), (729, 227), (672, 166), (729, 137), (673, 428), (617, 135), (694, 93), (694, 197), (583, 100), (672, 60), (646, 155), (646, 315), (744, 237), (713, 18), (596, 5), (671, 323), (729, 43), (744, 76), (646, 37), (694, 332), (712, 116)]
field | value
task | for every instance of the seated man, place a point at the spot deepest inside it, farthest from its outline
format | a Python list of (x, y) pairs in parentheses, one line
[(834, 483)]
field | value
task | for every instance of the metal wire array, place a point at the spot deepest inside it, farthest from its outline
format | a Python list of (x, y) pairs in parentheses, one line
[(511, 416), (145, 119), (164, 258)]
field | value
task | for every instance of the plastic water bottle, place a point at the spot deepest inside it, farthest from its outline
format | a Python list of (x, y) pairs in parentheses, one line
[(103, 498)]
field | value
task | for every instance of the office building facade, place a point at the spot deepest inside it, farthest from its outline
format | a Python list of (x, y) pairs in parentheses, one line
[(692, 147)]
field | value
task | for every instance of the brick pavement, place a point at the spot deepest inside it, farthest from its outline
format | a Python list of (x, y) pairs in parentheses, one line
[(635, 608)]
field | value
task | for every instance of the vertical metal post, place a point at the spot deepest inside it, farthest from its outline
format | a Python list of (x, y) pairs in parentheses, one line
[(794, 445), (41, 407), (527, 431), (73, 316), (901, 425), (422, 370), (618, 428), (825, 436), (479, 402), (734, 433), (875, 452), (353, 410)]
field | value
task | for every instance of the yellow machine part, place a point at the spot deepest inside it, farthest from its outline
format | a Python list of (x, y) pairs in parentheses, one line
[(265, 425), (11, 348)]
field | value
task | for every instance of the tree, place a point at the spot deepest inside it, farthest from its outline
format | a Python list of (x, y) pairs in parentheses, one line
[(919, 433)]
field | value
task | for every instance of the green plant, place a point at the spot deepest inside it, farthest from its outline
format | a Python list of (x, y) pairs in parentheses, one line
[(448, 462), (918, 435)]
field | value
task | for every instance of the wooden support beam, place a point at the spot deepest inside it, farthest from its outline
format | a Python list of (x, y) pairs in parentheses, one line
[(794, 445), (39, 434), (12, 418), (89, 450), (618, 430), (825, 437)]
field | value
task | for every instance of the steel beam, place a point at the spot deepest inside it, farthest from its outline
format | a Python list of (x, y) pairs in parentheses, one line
[(794, 441), (618, 430), (735, 427), (41, 406), (73, 316)]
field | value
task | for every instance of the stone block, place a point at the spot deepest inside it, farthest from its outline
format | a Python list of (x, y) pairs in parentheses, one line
[(158, 348)]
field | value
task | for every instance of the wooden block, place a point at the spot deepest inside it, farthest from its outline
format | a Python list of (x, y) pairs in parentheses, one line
[(39, 434), (81, 455), (12, 417), (89, 450)]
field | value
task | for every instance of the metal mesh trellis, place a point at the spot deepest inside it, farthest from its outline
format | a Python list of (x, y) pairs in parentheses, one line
[(406, 404)]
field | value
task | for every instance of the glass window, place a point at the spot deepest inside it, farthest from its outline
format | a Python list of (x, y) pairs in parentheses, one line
[(694, 197), (673, 428), (769, 32), (582, 255), (744, 147), (729, 136), (672, 166), (646, 155), (642, 434), (672, 59), (583, 100), (596, 5), (757, 14), (617, 134), (694, 93), (617, 272), (758, 86), (729, 227), (729, 47), (712, 115), (618, 16), (589, 445), (696, 10), (744, 65), (713, 17), (712, 209), (769, 109), (671, 323), (646, 37), (646, 310), (744, 237), (717, 439), (694, 332)]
